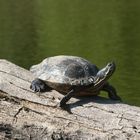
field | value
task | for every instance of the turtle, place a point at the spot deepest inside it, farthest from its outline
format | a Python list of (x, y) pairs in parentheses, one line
[(72, 76)]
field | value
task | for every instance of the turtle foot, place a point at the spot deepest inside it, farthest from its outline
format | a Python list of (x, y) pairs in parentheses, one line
[(38, 85), (115, 97), (65, 107), (112, 94)]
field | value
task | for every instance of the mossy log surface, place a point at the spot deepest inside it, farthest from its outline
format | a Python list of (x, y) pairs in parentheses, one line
[(25, 115)]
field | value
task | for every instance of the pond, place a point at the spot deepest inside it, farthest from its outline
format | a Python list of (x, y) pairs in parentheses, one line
[(100, 31)]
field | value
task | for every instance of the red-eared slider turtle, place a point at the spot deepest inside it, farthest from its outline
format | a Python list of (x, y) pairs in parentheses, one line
[(71, 75)]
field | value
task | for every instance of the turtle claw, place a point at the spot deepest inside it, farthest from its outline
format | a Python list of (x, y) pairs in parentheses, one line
[(115, 97), (65, 107), (32, 87), (35, 88), (38, 85)]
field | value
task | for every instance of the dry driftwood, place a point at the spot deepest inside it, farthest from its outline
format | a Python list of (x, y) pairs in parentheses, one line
[(25, 115)]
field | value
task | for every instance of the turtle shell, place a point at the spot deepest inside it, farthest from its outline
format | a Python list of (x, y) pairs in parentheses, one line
[(65, 70)]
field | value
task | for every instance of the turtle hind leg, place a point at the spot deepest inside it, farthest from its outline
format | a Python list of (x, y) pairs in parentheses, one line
[(38, 85), (66, 98), (111, 92)]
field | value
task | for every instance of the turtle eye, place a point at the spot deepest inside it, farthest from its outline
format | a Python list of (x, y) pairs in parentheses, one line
[(109, 64)]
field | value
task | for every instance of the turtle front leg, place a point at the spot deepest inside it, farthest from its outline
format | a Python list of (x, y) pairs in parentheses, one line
[(38, 85), (111, 92)]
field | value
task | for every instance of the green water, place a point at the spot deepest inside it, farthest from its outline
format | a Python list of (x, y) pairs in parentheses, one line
[(98, 30)]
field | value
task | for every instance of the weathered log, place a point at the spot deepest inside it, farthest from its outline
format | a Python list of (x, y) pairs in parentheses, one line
[(26, 115)]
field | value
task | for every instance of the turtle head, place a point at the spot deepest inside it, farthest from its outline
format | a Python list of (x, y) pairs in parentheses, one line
[(104, 74)]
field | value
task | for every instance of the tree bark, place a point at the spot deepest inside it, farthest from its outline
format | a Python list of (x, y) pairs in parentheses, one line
[(25, 115)]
